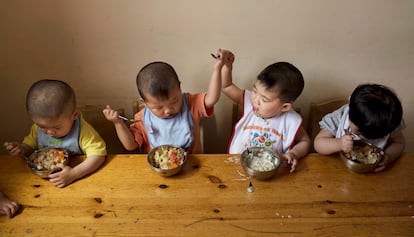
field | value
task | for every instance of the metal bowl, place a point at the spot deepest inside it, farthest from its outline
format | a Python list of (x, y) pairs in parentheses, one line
[(161, 160), (363, 158), (259, 162), (43, 162)]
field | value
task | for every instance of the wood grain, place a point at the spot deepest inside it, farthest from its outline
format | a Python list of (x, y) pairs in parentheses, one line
[(209, 198)]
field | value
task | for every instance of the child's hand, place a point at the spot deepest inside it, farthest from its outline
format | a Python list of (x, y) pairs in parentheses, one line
[(228, 58), (14, 148), (62, 178), (383, 163), (346, 143), (8, 207), (291, 160), (111, 114)]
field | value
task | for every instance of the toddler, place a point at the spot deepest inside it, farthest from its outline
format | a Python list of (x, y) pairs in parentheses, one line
[(374, 113), (51, 104), (170, 116), (268, 119)]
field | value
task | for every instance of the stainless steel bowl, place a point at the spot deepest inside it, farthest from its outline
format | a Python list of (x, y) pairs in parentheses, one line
[(165, 170), (44, 167), (363, 158), (259, 162)]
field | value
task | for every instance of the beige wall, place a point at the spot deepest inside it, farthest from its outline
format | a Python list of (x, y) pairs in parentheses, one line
[(98, 46)]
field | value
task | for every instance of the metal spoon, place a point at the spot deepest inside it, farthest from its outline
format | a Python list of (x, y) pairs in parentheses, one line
[(250, 188), (126, 119)]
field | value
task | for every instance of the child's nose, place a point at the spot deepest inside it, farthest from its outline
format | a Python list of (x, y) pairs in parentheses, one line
[(169, 111), (50, 132), (255, 100)]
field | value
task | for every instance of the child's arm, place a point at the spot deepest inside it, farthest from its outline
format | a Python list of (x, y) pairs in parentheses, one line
[(123, 132), (68, 174), (325, 143), (299, 150), (227, 86), (18, 149), (8, 207), (214, 87), (392, 151)]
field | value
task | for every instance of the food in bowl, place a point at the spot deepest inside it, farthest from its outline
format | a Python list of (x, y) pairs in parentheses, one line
[(167, 159), (44, 161), (364, 157), (260, 162)]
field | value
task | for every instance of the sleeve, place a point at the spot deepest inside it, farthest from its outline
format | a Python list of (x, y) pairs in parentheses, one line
[(197, 106), (31, 138), (138, 130), (331, 121), (90, 142)]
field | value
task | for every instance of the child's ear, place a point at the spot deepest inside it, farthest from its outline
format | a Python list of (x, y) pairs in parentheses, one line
[(142, 102), (75, 114), (286, 107)]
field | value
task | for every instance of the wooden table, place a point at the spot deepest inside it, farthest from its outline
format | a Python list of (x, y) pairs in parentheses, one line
[(209, 198)]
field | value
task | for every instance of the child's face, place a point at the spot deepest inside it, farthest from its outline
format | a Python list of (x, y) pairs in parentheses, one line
[(56, 127), (166, 108), (266, 103)]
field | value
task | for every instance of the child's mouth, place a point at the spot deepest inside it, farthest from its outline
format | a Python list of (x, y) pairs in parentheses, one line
[(256, 111)]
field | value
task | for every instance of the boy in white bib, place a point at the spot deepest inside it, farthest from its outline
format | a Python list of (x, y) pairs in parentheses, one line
[(268, 119)]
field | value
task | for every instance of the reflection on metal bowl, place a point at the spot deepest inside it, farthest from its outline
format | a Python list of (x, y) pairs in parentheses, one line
[(167, 160), (44, 161), (363, 158), (259, 162)]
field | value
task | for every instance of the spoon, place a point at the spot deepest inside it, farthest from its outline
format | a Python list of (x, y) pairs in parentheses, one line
[(126, 119), (250, 188)]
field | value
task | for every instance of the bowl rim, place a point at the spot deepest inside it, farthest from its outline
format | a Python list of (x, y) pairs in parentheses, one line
[(255, 173), (360, 143), (31, 157), (159, 169), (358, 166)]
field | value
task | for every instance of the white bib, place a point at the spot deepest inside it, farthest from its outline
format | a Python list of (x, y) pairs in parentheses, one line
[(277, 133)]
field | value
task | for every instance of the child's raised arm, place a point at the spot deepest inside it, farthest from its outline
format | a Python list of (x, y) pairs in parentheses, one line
[(214, 87), (227, 86)]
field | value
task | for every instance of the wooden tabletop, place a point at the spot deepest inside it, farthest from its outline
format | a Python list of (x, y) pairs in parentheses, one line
[(210, 198)]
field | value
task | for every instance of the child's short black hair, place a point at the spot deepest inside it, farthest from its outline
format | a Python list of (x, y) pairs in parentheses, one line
[(50, 98), (283, 77), (156, 79), (375, 110)]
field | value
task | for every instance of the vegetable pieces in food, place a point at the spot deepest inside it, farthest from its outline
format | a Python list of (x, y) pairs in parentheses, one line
[(168, 158), (47, 159)]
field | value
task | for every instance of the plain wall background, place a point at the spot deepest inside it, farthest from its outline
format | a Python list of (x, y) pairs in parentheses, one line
[(98, 46)]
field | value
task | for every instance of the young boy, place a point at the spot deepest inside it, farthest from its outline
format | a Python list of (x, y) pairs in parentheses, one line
[(170, 116), (51, 104), (374, 113), (8, 207), (268, 118)]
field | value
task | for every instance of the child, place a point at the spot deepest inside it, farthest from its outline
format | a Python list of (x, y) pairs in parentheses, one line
[(8, 207), (51, 104), (170, 116), (374, 113), (268, 118)]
